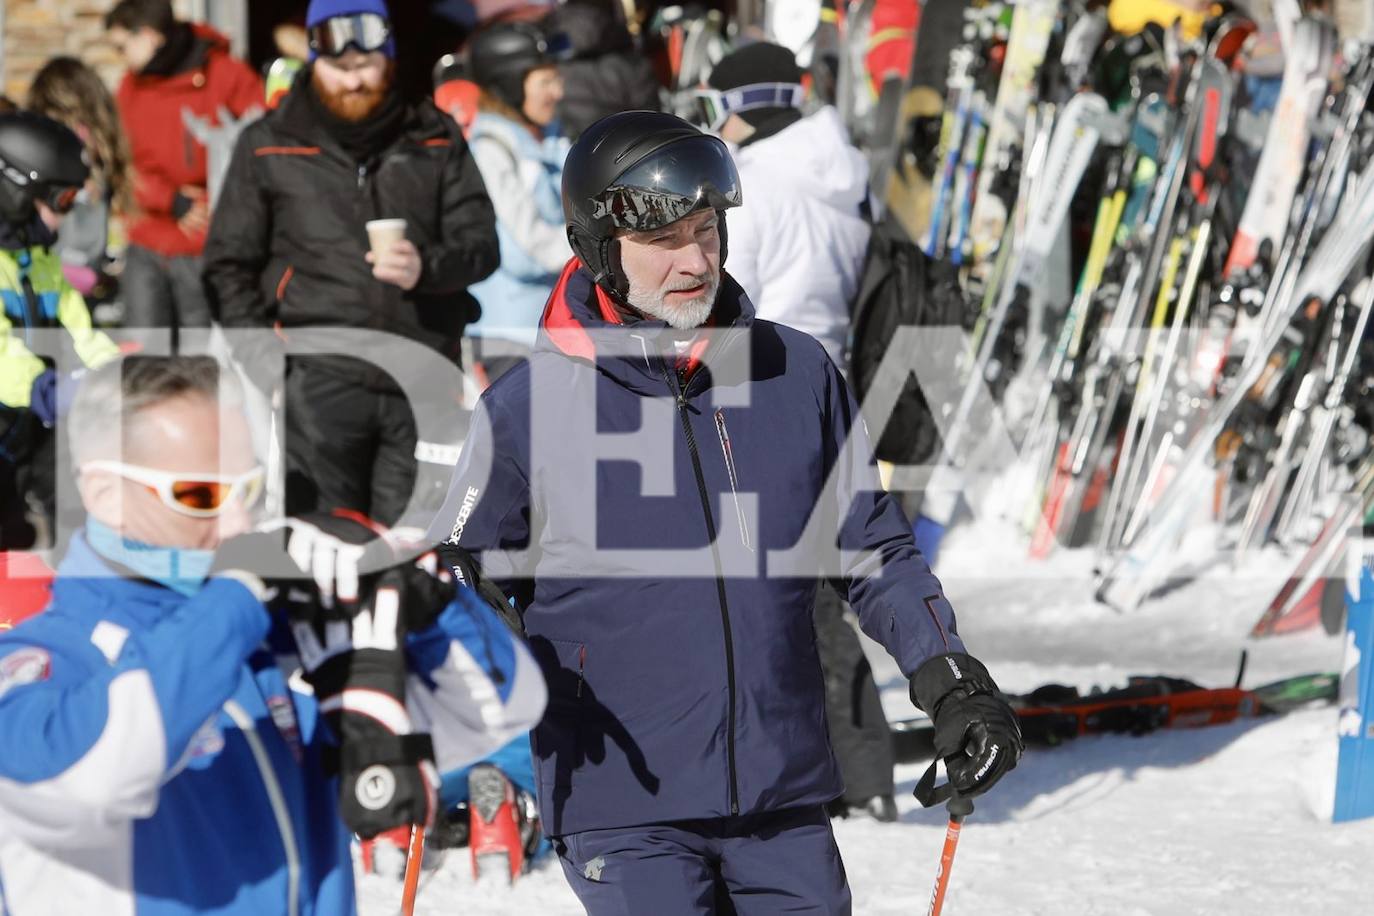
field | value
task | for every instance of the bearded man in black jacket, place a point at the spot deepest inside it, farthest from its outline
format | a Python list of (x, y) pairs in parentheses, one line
[(289, 249)]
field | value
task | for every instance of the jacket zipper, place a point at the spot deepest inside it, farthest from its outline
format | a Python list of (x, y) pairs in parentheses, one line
[(278, 802), (681, 393), (729, 454)]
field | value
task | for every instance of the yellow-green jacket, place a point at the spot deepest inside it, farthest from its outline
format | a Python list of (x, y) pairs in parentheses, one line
[(50, 302)]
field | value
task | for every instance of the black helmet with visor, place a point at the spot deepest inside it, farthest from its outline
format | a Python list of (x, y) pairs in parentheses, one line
[(639, 171)]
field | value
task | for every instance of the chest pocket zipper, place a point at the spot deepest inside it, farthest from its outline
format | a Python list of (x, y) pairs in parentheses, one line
[(284, 282), (729, 455)]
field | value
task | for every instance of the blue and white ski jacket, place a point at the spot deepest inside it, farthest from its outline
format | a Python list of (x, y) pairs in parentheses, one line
[(155, 761), (644, 527)]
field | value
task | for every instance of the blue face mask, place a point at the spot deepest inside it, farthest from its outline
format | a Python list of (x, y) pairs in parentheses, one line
[(181, 569)]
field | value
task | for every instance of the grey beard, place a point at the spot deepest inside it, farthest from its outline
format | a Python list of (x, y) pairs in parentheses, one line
[(683, 316)]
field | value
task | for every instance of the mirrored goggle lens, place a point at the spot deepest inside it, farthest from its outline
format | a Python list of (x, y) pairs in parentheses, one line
[(61, 199), (211, 496), (677, 180), (365, 31)]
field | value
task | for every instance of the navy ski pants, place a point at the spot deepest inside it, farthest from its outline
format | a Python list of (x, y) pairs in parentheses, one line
[(780, 862)]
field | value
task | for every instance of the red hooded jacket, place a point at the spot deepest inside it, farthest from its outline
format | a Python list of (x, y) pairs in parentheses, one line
[(165, 155)]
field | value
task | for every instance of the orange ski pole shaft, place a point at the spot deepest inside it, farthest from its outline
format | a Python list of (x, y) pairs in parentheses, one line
[(959, 808), (414, 856)]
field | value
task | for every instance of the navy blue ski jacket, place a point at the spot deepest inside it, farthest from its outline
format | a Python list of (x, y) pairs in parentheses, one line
[(655, 536)]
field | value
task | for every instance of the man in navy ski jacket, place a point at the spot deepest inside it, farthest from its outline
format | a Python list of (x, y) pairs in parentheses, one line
[(154, 758), (655, 490)]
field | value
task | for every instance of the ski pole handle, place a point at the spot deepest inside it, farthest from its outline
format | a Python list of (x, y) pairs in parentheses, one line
[(414, 856), (959, 808)]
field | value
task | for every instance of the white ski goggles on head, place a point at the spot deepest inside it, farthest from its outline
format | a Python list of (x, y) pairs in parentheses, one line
[(367, 32), (714, 106)]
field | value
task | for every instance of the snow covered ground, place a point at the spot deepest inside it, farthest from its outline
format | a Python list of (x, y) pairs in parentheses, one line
[(1218, 821)]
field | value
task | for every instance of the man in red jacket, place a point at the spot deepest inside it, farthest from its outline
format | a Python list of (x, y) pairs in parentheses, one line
[(175, 69)]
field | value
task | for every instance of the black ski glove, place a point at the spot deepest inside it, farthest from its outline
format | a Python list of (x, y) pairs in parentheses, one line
[(976, 732), (387, 776), (468, 572)]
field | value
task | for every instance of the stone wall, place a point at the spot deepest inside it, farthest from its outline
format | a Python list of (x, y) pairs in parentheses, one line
[(35, 30)]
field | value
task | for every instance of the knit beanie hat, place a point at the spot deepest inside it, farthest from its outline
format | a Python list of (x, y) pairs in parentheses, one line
[(760, 62), (322, 10)]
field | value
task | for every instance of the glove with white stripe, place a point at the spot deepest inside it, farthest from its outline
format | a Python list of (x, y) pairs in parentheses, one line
[(358, 669), (976, 731), (308, 565)]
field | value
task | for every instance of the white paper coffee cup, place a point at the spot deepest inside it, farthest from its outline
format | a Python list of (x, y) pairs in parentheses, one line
[(382, 232)]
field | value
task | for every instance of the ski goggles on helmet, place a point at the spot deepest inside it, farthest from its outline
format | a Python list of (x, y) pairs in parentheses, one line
[(557, 47), (196, 495), (679, 179), (714, 106), (59, 198), (367, 32)]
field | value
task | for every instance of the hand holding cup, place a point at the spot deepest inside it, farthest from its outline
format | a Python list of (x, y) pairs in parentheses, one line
[(393, 257)]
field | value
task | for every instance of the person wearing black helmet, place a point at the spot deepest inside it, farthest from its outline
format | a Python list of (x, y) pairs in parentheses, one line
[(515, 141), (43, 169), (604, 73), (656, 490), (342, 149)]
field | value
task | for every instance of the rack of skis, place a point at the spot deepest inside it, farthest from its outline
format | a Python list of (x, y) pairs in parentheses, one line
[(1169, 285)]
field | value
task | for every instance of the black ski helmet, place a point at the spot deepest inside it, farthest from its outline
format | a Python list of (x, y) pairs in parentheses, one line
[(641, 170), (500, 56), (40, 159)]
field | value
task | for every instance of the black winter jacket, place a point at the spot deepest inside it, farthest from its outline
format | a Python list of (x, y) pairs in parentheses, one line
[(288, 242), (606, 75)]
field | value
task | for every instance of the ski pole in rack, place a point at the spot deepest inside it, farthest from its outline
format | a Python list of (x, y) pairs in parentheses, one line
[(958, 108)]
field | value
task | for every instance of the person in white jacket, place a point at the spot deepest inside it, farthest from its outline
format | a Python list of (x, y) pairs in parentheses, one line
[(797, 247), (797, 244)]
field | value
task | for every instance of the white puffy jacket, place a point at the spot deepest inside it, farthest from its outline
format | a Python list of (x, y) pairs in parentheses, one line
[(797, 244)]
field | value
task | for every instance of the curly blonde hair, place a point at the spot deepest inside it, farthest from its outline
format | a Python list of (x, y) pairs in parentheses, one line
[(69, 91)]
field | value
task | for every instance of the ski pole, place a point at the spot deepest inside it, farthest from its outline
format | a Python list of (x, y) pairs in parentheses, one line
[(959, 808), (414, 856)]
